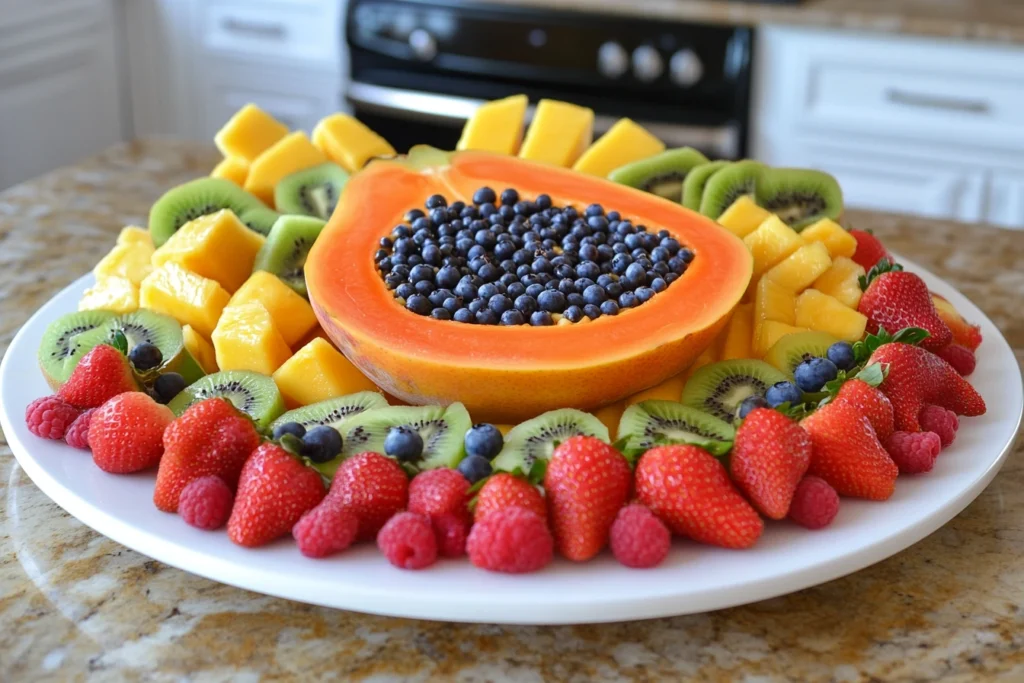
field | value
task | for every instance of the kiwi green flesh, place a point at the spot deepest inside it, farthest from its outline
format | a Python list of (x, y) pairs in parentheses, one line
[(649, 423), (67, 339), (793, 349), (800, 197), (662, 174), (287, 246), (719, 388), (311, 192), (197, 198), (696, 179), (259, 219), (729, 184), (333, 411), (536, 439), (252, 393)]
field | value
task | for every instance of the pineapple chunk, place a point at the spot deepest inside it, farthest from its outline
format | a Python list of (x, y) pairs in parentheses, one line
[(559, 134), (824, 313), (317, 372), (842, 281), (610, 416), (249, 133), (128, 261), (743, 217), (739, 334), (217, 246), (624, 143), (798, 270), (293, 152), (245, 339), (769, 332), (669, 390), (200, 349), (292, 314), (113, 293), (348, 142), (315, 333), (771, 242), (496, 126), (235, 169), (774, 302), (133, 234), (188, 298), (833, 236)]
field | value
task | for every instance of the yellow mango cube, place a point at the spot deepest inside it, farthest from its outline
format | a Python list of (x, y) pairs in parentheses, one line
[(496, 126), (769, 243), (739, 333), (610, 416), (200, 349), (291, 313), (235, 169), (559, 133), (348, 142), (133, 234), (317, 372), (842, 281), (217, 246), (128, 261), (797, 271), (818, 311), (743, 217), (113, 293), (774, 302), (245, 339), (624, 143), (294, 152), (249, 133), (833, 236), (188, 298), (770, 331)]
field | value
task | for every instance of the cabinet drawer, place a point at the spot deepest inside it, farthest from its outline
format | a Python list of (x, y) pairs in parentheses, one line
[(307, 32)]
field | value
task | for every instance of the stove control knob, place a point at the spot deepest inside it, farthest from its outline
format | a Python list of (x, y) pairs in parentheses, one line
[(685, 68), (647, 64), (423, 45), (612, 60)]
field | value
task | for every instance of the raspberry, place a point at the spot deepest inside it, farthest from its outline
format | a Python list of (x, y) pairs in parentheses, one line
[(437, 492), (326, 529), (961, 358), (206, 503), (638, 538), (407, 540), (49, 417), (451, 531), (941, 421), (815, 503), (513, 540), (914, 452), (126, 433), (77, 434)]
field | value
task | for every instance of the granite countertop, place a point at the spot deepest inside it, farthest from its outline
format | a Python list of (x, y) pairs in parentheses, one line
[(75, 605)]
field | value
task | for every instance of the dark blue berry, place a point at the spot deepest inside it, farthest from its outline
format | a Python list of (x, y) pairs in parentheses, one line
[(403, 444), (440, 314), (474, 468), (594, 210), (486, 316), (512, 317), (483, 440), (783, 392), (168, 385), (509, 197), (424, 287), (489, 272), (812, 374), (591, 311), (750, 403), (841, 354), (609, 308), (539, 318), (499, 303), (636, 275), (526, 304), (552, 301), (421, 272), (321, 443), (466, 289), (451, 304), (463, 315), (293, 428), (417, 303), (410, 216), (573, 314), (435, 200), (447, 277), (644, 294), (628, 300), (613, 290), (484, 195), (146, 356), (686, 255)]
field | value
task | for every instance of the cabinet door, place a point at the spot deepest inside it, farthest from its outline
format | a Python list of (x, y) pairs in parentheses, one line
[(1006, 199)]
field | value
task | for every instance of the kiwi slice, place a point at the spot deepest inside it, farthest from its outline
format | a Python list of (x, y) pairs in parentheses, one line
[(799, 196), (197, 198), (729, 184), (536, 439), (284, 253), (719, 388), (67, 339), (696, 179), (259, 219), (162, 331), (794, 349), (333, 410), (312, 191), (650, 423), (254, 394), (663, 174)]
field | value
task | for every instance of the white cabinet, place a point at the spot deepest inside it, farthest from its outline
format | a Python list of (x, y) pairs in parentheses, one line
[(1006, 199)]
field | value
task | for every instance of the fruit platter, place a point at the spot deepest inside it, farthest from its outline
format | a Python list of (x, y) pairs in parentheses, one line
[(505, 382)]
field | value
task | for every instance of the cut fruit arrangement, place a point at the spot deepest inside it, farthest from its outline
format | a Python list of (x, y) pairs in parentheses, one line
[(538, 344)]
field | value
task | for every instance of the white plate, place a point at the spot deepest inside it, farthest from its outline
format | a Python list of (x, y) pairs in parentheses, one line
[(695, 578)]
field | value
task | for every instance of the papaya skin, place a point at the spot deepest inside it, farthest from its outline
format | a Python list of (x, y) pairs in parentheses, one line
[(508, 374)]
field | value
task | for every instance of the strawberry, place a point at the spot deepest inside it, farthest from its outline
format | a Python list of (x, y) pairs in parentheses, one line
[(504, 490), (275, 489), (770, 456), (126, 433), (869, 249), (211, 438), (374, 487), (690, 491), (586, 482), (964, 333), (917, 378), (894, 299), (437, 492), (100, 375), (869, 402), (846, 453)]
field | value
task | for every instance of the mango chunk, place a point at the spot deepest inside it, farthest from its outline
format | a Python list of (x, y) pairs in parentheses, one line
[(496, 126), (739, 333), (669, 390), (559, 133), (743, 217), (624, 143), (245, 339), (348, 142), (113, 293), (235, 169), (291, 153), (200, 349), (317, 372), (249, 133), (842, 281), (291, 313), (188, 298), (824, 313), (770, 331), (771, 242), (133, 234), (833, 236), (610, 416), (774, 302), (128, 261), (797, 271), (217, 246)]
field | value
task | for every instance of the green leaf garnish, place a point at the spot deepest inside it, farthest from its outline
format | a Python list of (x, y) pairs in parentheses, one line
[(883, 266), (119, 341)]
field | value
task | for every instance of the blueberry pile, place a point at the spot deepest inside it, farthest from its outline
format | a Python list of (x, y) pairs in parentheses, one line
[(508, 261)]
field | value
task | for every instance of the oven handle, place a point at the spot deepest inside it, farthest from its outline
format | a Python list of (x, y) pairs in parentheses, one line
[(410, 104)]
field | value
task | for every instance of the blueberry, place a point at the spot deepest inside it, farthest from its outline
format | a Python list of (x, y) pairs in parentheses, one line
[(489, 272), (605, 280), (749, 403), (484, 195), (483, 440), (474, 468), (146, 356), (410, 216), (620, 263), (512, 317), (812, 374), (588, 269), (440, 314), (541, 265), (293, 428), (438, 296), (543, 202), (463, 315), (840, 353), (599, 223), (509, 197), (628, 300), (486, 316), (424, 287), (534, 289), (613, 290), (591, 311), (573, 314), (499, 303), (168, 385), (644, 294), (465, 289), (321, 443), (609, 308), (552, 301), (435, 200), (403, 444), (421, 272), (539, 318), (594, 210), (447, 277), (451, 304), (417, 303), (525, 304), (635, 275), (783, 392), (686, 255)]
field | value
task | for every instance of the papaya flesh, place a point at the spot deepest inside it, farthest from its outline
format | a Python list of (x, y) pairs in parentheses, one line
[(511, 373)]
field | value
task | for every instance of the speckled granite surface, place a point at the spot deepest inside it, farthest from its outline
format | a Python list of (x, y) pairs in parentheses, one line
[(76, 606)]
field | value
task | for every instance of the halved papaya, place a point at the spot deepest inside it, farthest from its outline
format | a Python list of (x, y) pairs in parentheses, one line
[(511, 373)]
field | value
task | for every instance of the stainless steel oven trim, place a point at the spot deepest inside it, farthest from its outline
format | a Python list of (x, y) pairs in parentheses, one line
[(411, 104)]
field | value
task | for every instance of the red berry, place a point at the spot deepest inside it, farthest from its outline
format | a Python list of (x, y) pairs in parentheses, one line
[(328, 528), (206, 503), (941, 421), (506, 490), (126, 433), (871, 403), (77, 434), (49, 417), (438, 492), (512, 540), (914, 452), (962, 359), (815, 503), (897, 299), (638, 538), (408, 541), (450, 531), (100, 375), (770, 455), (869, 249), (374, 487)]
